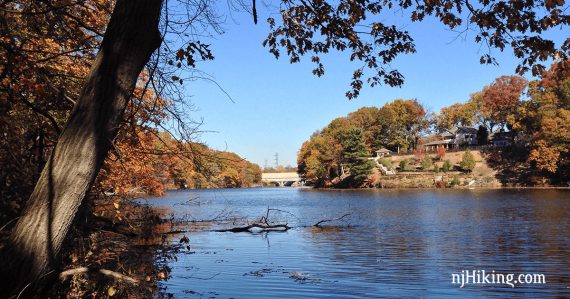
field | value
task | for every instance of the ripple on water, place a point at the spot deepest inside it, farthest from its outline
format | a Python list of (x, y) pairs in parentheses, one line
[(399, 243)]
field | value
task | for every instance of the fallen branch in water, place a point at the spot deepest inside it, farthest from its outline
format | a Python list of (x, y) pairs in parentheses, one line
[(192, 200), (262, 226), (318, 224), (116, 275), (265, 218)]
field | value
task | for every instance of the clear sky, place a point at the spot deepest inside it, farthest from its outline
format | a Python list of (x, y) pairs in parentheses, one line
[(278, 105)]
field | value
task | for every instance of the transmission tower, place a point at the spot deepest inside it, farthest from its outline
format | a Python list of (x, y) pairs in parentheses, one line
[(276, 160)]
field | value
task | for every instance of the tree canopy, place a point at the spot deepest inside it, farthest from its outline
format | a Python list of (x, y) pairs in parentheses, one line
[(314, 27), (544, 121), (536, 121), (493, 107), (501, 98), (46, 51), (351, 140)]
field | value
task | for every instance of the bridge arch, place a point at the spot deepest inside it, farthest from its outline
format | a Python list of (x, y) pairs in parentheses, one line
[(281, 179)]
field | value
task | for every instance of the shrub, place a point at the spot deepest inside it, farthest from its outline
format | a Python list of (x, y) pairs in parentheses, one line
[(387, 163), (427, 163), (468, 161), (404, 164), (446, 166), (435, 168), (454, 182)]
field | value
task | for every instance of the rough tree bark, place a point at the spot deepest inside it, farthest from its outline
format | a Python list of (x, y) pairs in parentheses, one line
[(131, 37)]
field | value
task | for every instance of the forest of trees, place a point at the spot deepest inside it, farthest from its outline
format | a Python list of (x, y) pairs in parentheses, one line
[(45, 59), (537, 113), (138, 170), (396, 125), (85, 84), (73, 128)]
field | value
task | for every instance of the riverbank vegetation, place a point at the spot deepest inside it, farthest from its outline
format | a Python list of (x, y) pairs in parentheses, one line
[(535, 116), (118, 249)]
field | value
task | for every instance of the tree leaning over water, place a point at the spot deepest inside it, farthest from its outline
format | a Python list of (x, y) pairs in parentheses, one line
[(131, 37), (306, 28)]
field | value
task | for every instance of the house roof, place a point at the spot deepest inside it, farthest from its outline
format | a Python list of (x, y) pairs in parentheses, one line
[(438, 142), (463, 130), (502, 135), (383, 150)]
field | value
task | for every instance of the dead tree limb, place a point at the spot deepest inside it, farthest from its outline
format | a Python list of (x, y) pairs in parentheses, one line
[(262, 226), (318, 224), (265, 219), (265, 225)]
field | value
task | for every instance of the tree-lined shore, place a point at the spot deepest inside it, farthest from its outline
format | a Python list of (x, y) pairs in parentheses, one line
[(535, 116)]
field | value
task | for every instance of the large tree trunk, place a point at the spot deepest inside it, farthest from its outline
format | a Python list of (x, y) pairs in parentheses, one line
[(131, 37)]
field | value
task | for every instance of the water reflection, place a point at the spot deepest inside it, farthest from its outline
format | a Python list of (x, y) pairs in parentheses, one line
[(398, 243)]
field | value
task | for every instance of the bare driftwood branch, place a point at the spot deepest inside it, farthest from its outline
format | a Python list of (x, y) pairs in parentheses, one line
[(318, 224), (116, 275), (262, 226), (265, 225), (266, 217)]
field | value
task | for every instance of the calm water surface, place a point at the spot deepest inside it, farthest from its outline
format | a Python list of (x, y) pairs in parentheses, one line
[(396, 244)]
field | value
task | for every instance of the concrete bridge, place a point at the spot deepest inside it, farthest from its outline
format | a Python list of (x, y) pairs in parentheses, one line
[(282, 179)]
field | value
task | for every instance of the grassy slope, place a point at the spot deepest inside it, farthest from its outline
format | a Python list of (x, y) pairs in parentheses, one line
[(483, 174)]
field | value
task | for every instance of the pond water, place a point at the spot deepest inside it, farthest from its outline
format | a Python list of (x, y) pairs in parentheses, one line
[(395, 244)]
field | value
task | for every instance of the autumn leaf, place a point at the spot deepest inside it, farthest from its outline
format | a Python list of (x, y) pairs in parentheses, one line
[(111, 291)]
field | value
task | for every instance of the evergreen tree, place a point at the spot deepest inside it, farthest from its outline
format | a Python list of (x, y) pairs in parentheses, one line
[(427, 163), (356, 155), (468, 161), (482, 135), (446, 166), (404, 165)]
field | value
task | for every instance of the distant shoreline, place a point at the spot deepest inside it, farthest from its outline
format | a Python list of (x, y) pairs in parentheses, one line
[(454, 188)]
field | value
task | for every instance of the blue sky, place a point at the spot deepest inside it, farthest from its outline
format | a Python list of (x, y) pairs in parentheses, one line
[(278, 105)]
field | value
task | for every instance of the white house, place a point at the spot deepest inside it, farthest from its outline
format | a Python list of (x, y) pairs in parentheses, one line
[(383, 152), (453, 138)]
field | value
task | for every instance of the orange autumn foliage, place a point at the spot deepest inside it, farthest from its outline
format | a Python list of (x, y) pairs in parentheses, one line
[(501, 99), (46, 51), (545, 120)]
